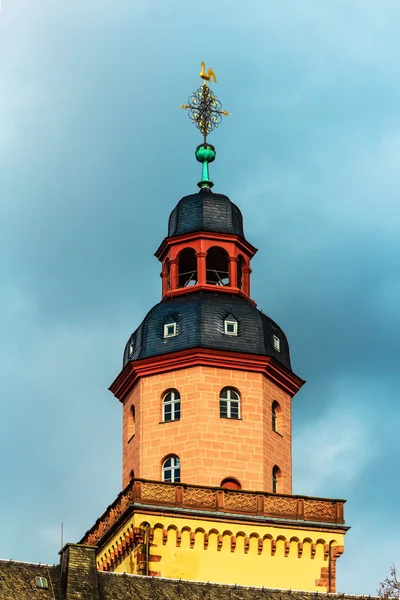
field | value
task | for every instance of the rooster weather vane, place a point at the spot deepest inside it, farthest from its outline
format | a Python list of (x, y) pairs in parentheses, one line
[(206, 112)]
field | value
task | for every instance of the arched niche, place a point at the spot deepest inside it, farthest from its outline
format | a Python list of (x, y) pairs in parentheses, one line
[(187, 268), (217, 266), (230, 483)]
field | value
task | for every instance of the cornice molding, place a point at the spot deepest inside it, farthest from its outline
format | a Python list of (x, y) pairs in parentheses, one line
[(243, 244), (274, 371)]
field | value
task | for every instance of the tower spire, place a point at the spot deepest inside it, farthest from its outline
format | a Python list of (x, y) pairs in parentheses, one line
[(206, 112)]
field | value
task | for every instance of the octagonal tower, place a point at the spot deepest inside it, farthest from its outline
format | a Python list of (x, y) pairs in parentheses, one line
[(206, 388), (207, 382)]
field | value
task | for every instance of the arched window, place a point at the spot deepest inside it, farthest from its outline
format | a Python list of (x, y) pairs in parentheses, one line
[(229, 404), (240, 265), (276, 475), (171, 406), (132, 475), (131, 422), (276, 409), (217, 262), (231, 483), (171, 469), (187, 268)]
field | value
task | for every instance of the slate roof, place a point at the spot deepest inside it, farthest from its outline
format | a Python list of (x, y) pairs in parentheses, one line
[(16, 583), (200, 324), (205, 211)]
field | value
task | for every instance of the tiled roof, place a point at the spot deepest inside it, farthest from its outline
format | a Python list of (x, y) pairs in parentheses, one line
[(200, 324), (17, 583), (205, 211)]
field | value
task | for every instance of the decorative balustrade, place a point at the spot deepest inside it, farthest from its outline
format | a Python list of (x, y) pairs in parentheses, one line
[(156, 493)]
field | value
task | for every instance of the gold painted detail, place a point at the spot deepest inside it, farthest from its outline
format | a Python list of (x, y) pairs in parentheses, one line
[(207, 76), (204, 108), (142, 492)]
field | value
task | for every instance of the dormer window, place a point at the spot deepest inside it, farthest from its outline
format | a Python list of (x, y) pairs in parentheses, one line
[(169, 330), (41, 582), (277, 343), (230, 326), (131, 348)]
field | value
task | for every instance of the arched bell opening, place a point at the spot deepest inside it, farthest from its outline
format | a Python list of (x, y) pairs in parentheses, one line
[(217, 266), (187, 269), (167, 273), (239, 270)]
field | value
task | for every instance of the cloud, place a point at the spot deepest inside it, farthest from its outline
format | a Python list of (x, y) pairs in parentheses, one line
[(330, 452), (95, 154)]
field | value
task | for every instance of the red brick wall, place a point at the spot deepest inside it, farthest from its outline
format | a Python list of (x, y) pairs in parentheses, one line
[(210, 448)]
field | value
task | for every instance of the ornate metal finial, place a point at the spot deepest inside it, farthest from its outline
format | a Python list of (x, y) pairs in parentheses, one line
[(205, 111)]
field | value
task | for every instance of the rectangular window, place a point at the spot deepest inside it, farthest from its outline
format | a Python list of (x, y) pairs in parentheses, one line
[(274, 422), (170, 330), (231, 327), (223, 409), (277, 343), (41, 582), (229, 409), (167, 412), (234, 410)]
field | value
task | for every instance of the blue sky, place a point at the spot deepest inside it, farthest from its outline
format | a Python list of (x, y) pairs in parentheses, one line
[(94, 154)]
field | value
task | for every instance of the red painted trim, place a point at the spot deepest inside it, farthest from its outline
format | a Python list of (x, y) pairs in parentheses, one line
[(209, 288), (183, 359), (244, 245)]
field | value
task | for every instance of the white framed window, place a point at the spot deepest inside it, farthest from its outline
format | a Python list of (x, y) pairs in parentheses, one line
[(169, 330), (277, 343), (230, 327), (41, 582), (171, 469), (172, 406), (229, 404), (131, 348)]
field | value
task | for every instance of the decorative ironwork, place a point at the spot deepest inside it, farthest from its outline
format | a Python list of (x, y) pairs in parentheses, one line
[(205, 110)]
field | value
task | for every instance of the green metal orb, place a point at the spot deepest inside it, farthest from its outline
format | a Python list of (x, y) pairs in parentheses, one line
[(205, 153)]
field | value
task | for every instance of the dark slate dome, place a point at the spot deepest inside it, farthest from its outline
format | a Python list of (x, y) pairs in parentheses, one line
[(200, 324), (205, 211)]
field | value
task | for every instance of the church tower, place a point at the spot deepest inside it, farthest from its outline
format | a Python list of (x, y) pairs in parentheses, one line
[(206, 390)]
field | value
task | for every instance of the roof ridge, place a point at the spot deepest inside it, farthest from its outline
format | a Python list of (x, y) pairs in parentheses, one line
[(24, 562)]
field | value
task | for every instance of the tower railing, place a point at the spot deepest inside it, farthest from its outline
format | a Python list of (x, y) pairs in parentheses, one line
[(141, 493)]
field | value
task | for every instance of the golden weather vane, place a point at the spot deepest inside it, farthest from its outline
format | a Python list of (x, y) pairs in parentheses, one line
[(206, 112), (207, 76)]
